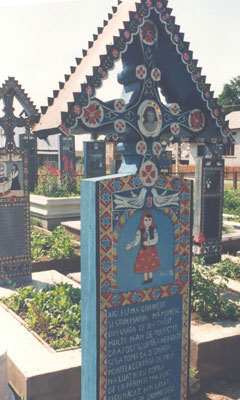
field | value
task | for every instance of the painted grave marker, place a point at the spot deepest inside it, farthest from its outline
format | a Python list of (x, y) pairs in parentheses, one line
[(15, 253), (67, 156), (135, 321), (209, 204), (28, 142), (94, 159)]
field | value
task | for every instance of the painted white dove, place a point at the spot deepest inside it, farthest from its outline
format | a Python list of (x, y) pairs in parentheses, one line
[(163, 199), (136, 201)]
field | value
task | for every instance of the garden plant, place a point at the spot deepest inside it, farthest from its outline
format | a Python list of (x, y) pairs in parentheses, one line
[(53, 183), (54, 313), (58, 244), (232, 202), (206, 300)]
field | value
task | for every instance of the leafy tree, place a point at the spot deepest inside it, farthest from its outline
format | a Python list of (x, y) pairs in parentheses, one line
[(229, 99)]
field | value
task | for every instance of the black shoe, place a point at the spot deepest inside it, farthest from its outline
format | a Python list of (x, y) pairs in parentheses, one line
[(143, 283)]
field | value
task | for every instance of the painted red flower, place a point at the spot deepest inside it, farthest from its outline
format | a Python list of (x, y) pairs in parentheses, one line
[(102, 72), (196, 76), (159, 4), (196, 120), (89, 90), (141, 71), (127, 35), (115, 53), (176, 38), (148, 173), (141, 147), (165, 17), (186, 56), (77, 109), (149, 3), (93, 114)]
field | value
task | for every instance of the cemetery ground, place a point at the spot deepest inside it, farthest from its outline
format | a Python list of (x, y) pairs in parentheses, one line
[(224, 389)]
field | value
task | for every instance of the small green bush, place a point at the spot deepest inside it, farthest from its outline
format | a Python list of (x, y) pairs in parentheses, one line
[(56, 245), (206, 298), (228, 268), (231, 203), (54, 313)]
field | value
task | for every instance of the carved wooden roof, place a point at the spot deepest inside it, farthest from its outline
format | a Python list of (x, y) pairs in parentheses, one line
[(182, 81)]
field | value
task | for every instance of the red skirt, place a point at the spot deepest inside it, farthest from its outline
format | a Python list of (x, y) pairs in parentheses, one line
[(147, 260)]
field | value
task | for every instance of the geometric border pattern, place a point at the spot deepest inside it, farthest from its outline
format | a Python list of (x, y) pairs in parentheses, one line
[(107, 253)]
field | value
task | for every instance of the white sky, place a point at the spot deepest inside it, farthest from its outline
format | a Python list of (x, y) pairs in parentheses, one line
[(41, 39)]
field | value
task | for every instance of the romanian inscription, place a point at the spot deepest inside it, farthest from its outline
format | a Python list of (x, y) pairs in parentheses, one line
[(144, 346)]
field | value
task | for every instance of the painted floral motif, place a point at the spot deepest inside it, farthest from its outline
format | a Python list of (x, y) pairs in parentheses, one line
[(148, 33), (175, 128), (119, 105), (89, 90), (148, 173), (139, 19), (77, 109), (165, 17), (176, 38), (115, 53), (157, 148), (93, 114), (186, 57), (196, 120), (127, 35), (156, 74), (149, 3), (159, 5), (174, 108), (141, 71), (102, 72), (120, 125), (196, 76), (141, 147)]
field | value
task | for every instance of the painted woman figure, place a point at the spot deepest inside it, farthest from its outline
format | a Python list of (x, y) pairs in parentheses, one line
[(150, 120), (14, 177), (147, 260)]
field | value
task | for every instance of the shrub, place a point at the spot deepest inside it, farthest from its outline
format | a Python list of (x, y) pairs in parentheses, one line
[(232, 201), (228, 268), (206, 299), (56, 245), (54, 313)]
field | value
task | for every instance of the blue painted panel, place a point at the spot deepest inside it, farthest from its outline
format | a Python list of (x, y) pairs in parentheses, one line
[(89, 290), (144, 346)]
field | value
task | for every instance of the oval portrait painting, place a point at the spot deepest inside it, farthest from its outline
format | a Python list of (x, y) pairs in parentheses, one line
[(150, 118)]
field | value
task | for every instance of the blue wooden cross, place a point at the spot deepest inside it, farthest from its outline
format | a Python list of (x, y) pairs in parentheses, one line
[(9, 121), (143, 123)]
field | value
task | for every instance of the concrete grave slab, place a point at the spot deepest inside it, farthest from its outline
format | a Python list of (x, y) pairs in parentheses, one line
[(215, 349)]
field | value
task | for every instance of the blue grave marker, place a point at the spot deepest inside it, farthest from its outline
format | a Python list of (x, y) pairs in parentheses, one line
[(15, 251), (135, 287), (66, 157), (28, 142), (94, 159)]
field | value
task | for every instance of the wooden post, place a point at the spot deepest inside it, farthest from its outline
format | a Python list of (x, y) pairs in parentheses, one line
[(235, 178)]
